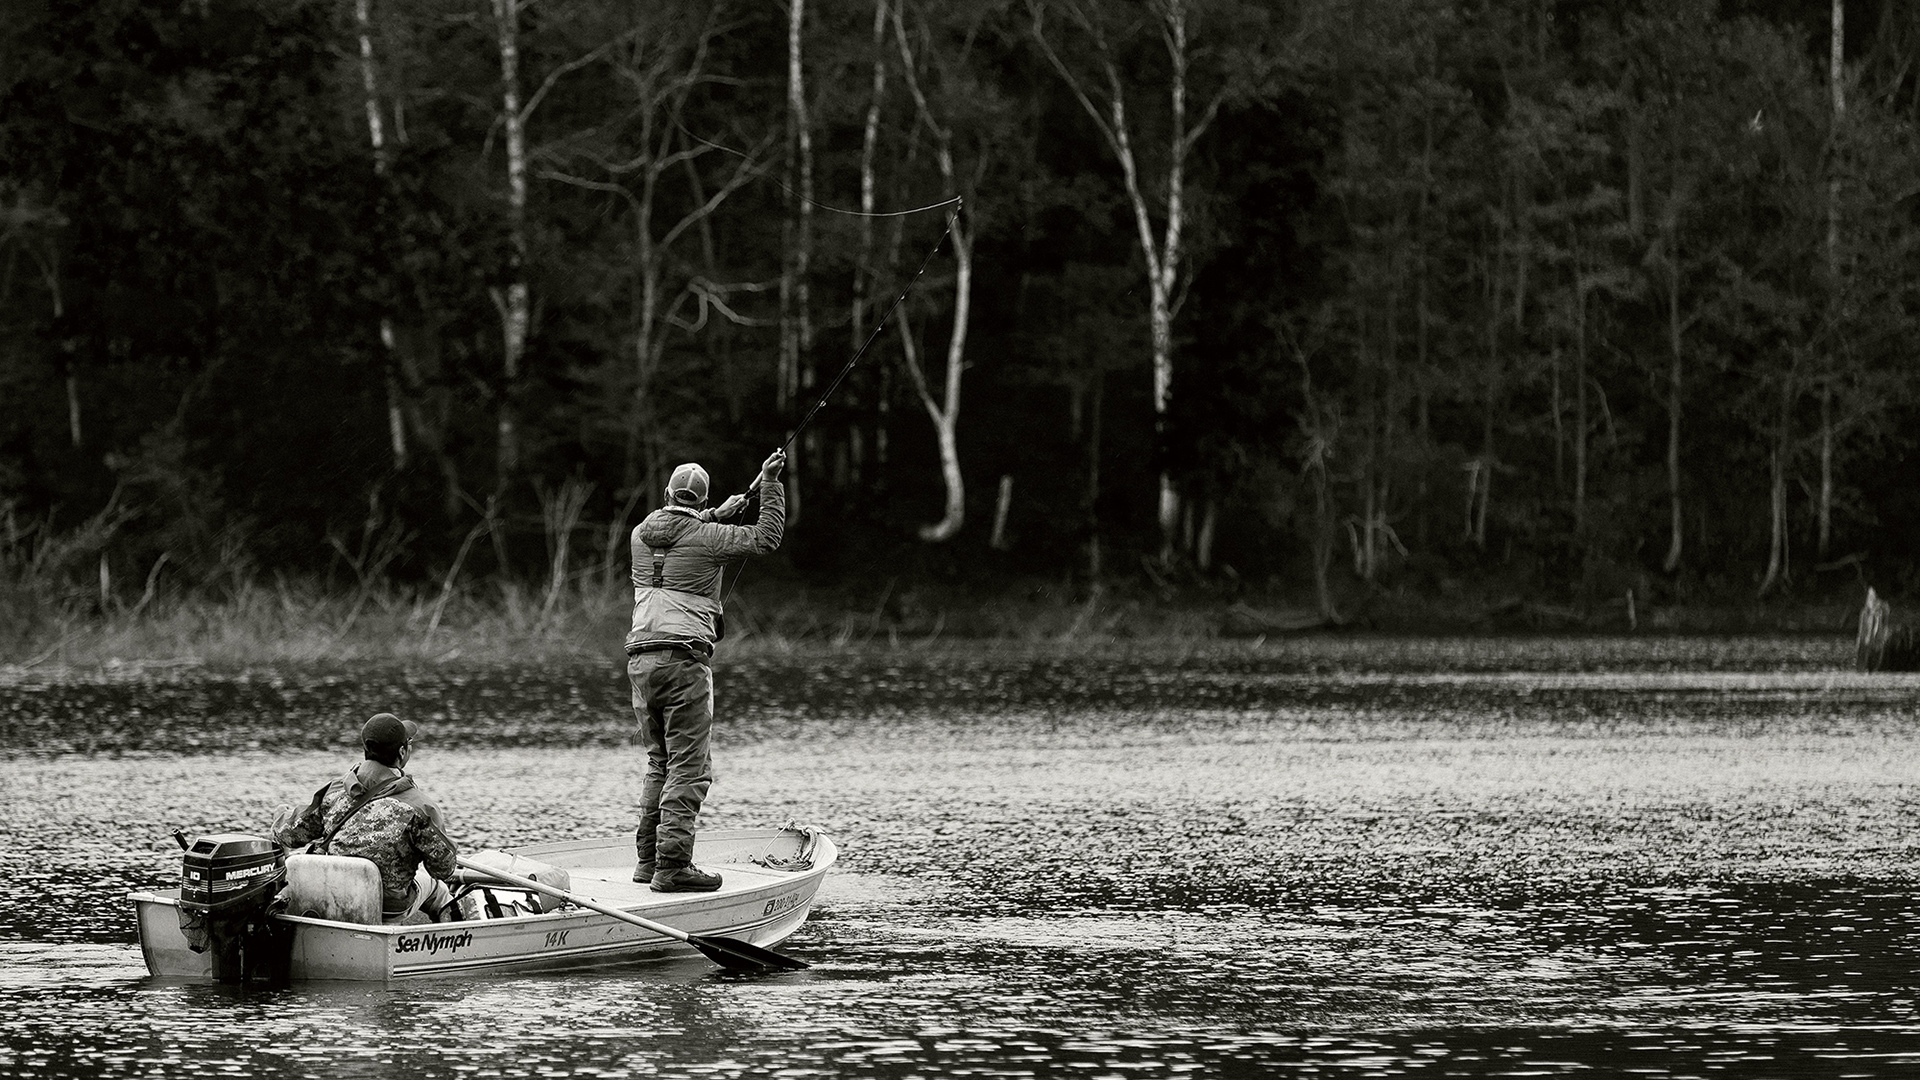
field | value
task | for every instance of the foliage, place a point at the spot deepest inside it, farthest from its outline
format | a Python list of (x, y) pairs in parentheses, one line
[(1584, 294)]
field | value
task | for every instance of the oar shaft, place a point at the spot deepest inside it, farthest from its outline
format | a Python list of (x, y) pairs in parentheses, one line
[(578, 901)]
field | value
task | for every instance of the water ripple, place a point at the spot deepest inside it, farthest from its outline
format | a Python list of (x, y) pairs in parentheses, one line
[(1303, 862)]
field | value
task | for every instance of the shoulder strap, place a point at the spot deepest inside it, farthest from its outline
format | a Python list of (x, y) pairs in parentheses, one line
[(405, 783), (659, 554)]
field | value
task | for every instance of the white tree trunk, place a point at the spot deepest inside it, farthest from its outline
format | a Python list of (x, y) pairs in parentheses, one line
[(514, 302), (997, 540), (1162, 327), (945, 410), (1162, 251), (396, 416), (1209, 524), (1161, 296), (803, 133), (1836, 72), (73, 404), (376, 136), (1776, 517), (1778, 464), (869, 149), (1826, 470), (66, 352), (862, 273), (376, 133), (796, 337), (1672, 561), (1580, 410)]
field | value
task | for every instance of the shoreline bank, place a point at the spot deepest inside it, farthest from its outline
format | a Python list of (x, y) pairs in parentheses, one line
[(281, 626)]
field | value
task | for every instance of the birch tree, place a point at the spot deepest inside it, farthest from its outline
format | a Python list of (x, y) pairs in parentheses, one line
[(1870, 250), (864, 257), (1771, 168), (377, 139), (513, 301), (1318, 442), (1154, 161), (964, 119), (1675, 142), (1836, 84), (641, 153), (796, 294), (399, 50)]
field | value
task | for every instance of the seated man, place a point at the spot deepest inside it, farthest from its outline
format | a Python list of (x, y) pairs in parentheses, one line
[(377, 812)]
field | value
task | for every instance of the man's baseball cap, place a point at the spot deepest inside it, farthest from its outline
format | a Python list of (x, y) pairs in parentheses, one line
[(688, 485), (388, 730)]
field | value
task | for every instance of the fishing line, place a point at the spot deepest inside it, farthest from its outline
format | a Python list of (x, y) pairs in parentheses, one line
[(850, 364), (877, 327), (812, 202)]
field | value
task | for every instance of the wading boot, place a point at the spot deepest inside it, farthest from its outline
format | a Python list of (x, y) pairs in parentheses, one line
[(684, 879), (643, 850)]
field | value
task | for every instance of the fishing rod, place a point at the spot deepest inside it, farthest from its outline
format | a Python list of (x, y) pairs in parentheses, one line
[(877, 327), (848, 367)]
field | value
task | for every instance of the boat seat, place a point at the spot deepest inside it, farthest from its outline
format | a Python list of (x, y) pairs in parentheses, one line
[(531, 869), (338, 887)]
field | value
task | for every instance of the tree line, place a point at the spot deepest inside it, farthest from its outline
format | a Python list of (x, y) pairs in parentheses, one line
[(1559, 293)]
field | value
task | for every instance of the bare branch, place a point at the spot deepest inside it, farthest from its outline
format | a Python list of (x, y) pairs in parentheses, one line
[(583, 182), (1200, 126), (1080, 93), (554, 76), (746, 170)]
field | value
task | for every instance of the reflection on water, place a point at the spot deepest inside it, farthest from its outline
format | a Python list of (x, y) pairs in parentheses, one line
[(1419, 859)]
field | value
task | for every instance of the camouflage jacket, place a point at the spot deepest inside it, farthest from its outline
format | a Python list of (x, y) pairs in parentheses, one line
[(398, 831)]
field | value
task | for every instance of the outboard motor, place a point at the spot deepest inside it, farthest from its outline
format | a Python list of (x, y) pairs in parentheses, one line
[(229, 883)]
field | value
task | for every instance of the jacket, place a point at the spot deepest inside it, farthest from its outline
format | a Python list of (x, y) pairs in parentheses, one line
[(397, 831), (690, 553)]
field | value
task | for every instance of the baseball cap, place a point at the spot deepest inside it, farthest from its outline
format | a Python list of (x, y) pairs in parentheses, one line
[(688, 485), (386, 729)]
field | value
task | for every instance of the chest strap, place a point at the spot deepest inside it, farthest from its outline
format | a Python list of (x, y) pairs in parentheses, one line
[(324, 845), (659, 566)]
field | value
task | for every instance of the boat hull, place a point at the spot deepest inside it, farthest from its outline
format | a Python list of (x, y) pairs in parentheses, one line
[(756, 904)]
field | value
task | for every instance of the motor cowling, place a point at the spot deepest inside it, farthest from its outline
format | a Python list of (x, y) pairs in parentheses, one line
[(229, 883)]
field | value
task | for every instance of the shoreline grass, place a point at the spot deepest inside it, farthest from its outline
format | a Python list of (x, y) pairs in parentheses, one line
[(587, 619)]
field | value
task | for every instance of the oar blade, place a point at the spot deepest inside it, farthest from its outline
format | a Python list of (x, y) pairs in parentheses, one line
[(741, 956)]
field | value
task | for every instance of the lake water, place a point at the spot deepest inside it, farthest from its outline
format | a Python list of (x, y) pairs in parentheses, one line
[(1345, 857)]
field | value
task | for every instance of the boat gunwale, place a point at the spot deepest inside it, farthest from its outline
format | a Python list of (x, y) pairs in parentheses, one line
[(658, 910)]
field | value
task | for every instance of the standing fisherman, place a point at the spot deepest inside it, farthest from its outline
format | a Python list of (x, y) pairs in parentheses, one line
[(679, 552)]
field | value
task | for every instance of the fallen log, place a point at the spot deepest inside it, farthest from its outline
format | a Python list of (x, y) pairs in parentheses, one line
[(1244, 620)]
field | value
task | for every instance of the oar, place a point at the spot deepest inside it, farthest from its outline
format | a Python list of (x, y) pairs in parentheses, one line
[(728, 953)]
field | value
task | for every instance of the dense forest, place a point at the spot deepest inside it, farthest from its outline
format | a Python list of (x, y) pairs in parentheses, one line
[(1289, 298)]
